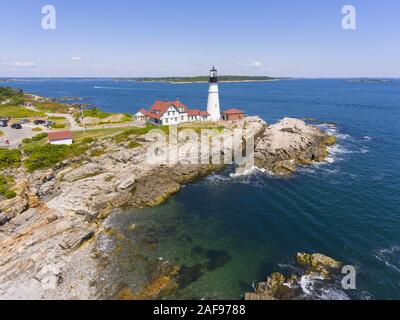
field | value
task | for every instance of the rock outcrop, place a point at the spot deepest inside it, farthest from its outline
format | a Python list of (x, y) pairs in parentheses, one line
[(289, 143), (302, 285), (57, 210)]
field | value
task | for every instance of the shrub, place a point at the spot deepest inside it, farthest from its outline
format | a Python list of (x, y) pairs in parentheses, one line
[(45, 156), (5, 187), (9, 194), (9, 158), (88, 140), (37, 129), (58, 126), (40, 136)]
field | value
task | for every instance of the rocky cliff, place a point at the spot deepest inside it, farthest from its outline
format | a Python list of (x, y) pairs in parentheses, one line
[(59, 210)]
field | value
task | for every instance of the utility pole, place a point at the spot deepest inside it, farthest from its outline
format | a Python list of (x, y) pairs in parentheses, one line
[(82, 117)]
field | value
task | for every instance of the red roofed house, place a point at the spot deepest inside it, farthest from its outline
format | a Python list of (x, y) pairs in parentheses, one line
[(60, 137), (233, 115), (171, 113)]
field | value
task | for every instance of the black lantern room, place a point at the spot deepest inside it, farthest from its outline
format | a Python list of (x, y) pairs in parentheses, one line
[(213, 75)]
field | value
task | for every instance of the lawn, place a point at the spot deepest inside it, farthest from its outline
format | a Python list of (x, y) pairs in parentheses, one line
[(19, 112), (96, 134), (53, 107), (96, 113)]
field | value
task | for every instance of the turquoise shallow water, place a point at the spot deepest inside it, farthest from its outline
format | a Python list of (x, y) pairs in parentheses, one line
[(348, 207)]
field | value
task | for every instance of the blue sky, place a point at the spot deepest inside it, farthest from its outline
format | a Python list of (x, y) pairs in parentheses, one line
[(128, 38)]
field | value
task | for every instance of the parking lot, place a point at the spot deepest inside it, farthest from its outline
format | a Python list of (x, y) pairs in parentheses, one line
[(15, 136)]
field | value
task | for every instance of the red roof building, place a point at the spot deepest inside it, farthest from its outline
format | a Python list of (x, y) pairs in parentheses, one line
[(171, 113), (233, 115), (60, 137)]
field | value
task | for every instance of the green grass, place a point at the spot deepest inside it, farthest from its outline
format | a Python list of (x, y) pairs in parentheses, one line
[(58, 126), (96, 134), (19, 112), (53, 107), (5, 187), (96, 113), (124, 136), (37, 129), (134, 144), (36, 141), (10, 158), (56, 118)]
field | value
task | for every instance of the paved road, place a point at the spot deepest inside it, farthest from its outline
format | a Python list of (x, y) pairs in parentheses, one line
[(76, 127), (73, 124)]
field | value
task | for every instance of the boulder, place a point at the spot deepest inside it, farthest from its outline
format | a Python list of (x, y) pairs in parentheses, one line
[(82, 172), (320, 260), (303, 259), (126, 183), (289, 143), (13, 207)]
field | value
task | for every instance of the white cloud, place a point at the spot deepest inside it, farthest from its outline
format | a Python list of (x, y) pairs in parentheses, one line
[(20, 64), (76, 58), (257, 64)]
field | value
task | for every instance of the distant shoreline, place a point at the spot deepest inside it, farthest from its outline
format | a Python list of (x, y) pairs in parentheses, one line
[(221, 81)]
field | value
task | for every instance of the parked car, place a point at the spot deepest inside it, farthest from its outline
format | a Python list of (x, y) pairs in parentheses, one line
[(3, 123), (49, 123), (16, 126), (24, 121), (39, 122)]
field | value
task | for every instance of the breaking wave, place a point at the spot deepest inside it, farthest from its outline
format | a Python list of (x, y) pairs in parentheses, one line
[(390, 257)]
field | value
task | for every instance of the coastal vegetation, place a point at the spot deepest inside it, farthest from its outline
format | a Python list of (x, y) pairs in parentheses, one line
[(9, 158), (80, 136), (10, 96), (96, 113), (48, 155), (54, 106), (15, 111), (226, 78), (36, 140), (5, 187)]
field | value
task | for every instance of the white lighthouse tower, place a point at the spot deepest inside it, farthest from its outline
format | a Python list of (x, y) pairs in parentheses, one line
[(213, 107)]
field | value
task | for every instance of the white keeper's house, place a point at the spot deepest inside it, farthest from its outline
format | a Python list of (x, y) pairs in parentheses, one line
[(171, 113), (175, 112)]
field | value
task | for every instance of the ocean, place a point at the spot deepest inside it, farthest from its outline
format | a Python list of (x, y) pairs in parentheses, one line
[(248, 227)]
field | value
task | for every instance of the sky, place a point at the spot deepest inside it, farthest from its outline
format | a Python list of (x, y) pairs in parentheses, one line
[(134, 38)]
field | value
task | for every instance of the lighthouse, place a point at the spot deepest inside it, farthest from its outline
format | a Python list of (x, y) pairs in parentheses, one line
[(213, 107)]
